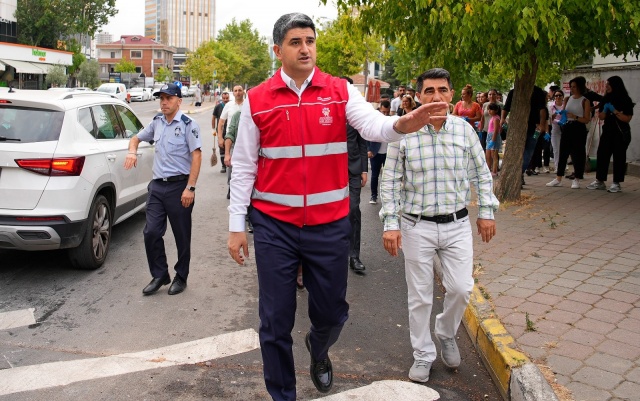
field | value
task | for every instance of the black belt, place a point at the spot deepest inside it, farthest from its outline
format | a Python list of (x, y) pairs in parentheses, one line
[(443, 218), (180, 177)]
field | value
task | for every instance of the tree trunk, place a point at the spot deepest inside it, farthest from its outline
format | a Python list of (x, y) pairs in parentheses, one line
[(509, 185)]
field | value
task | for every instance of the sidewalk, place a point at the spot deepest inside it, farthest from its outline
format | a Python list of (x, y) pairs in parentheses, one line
[(563, 276)]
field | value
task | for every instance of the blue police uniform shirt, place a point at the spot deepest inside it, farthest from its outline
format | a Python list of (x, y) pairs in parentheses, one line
[(174, 143)]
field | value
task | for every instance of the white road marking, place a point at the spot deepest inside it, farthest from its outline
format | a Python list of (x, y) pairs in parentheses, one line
[(387, 390), (17, 318), (34, 377)]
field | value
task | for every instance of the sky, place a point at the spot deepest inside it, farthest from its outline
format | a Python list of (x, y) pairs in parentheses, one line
[(261, 13)]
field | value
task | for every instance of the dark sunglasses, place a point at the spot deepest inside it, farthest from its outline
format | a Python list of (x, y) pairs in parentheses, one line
[(558, 96)]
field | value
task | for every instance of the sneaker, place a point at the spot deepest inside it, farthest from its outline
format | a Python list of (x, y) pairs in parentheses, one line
[(615, 187), (545, 170), (597, 185), (552, 170), (536, 171), (449, 352), (554, 183), (373, 200), (419, 371), (575, 184)]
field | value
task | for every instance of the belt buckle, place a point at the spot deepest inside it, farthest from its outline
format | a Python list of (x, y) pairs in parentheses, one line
[(442, 219), (165, 179)]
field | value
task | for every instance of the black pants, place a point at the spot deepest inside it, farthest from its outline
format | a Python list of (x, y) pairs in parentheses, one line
[(164, 201), (541, 156), (355, 217), (612, 143), (573, 142)]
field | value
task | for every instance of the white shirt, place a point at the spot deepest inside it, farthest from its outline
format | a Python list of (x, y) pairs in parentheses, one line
[(370, 123), (395, 104), (229, 110)]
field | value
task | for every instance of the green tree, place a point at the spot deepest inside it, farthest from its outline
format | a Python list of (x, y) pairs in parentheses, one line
[(525, 36), (88, 74), (343, 47), (225, 59), (57, 76), (254, 64), (125, 65), (163, 75)]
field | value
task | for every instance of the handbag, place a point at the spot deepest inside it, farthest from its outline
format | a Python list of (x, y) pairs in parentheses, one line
[(626, 133)]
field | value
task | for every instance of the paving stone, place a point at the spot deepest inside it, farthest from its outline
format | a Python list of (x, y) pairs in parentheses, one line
[(598, 378), (620, 268), (609, 363), (541, 277), (563, 365), (563, 282), (536, 339), (593, 262), (559, 263), (621, 350), (628, 287), (573, 350), (534, 308), (516, 318), (595, 325), (552, 327), (563, 380), (592, 288), (600, 255), (613, 305), (546, 299), (520, 292), (497, 288), (584, 297), (507, 279), (573, 306), (563, 316), (584, 392), (625, 336), (574, 275), (568, 256), (506, 301), (584, 337), (556, 290), (534, 353), (531, 265), (634, 375), (610, 274), (601, 281), (632, 279), (630, 324), (579, 267), (604, 315), (625, 261), (627, 391), (532, 285), (519, 272)]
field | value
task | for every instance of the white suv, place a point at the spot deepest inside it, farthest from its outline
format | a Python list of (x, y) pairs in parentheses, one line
[(62, 177)]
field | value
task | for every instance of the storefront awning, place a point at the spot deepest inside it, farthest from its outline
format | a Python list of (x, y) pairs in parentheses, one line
[(23, 67)]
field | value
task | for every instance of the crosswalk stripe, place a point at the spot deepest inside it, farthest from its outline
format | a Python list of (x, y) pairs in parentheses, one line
[(386, 390), (34, 377), (17, 318)]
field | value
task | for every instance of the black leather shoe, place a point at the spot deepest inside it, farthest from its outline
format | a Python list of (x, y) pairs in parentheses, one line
[(321, 371), (155, 285), (177, 286), (357, 266)]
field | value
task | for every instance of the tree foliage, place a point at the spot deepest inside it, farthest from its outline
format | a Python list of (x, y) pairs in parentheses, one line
[(125, 65), (343, 47), (57, 76), (88, 74), (44, 22), (163, 75), (253, 50), (524, 36)]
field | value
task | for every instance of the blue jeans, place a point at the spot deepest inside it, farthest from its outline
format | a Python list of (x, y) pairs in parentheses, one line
[(377, 162), (529, 148)]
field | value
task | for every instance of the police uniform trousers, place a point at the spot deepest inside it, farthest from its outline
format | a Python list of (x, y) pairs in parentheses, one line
[(322, 250), (163, 201), (453, 243)]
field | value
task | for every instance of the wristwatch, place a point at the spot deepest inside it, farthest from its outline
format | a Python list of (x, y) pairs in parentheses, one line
[(190, 188)]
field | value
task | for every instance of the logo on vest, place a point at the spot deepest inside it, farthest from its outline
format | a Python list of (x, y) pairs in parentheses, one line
[(324, 99), (326, 119)]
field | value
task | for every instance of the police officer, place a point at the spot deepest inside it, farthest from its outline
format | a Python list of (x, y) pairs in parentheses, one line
[(176, 166)]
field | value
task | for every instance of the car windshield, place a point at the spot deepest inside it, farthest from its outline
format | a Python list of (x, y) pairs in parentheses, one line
[(107, 89), (135, 90), (26, 125)]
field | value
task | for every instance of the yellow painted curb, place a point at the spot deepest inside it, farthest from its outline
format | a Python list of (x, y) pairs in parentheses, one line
[(492, 341)]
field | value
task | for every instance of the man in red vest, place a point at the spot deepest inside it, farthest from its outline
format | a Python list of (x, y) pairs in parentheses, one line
[(290, 164)]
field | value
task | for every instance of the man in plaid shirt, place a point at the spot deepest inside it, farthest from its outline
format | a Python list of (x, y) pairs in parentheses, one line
[(424, 191)]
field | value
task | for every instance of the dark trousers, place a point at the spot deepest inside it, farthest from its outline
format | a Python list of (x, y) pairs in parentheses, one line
[(529, 147), (163, 201), (573, 142), (355, 216), (322, 250), (377, 162), (612, 143), (541, 154)]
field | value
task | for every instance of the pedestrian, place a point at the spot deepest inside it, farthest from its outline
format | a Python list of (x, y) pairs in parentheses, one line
[(377, 153), (229, 110), (290, 163), (432, 205), (197, 95), (215, 121), (616, 109), (397, 100), (176, 166)]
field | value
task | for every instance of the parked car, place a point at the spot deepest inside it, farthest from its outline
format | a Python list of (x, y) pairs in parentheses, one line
[(185, 91), (119, 90), (139, 95), (62, 179), (192, 90)]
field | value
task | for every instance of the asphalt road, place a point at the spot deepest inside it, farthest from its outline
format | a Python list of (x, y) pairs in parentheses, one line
[(87, 315)]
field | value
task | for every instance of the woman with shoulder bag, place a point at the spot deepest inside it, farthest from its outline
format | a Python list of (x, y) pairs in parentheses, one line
[(574, 133), (616, 110)]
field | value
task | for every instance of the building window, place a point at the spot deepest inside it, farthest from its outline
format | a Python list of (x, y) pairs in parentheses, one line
[(138, 70), (113, 54), (159, 55), (136, 53)]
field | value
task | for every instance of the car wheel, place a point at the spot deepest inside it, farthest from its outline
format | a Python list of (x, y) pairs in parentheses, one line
[(92, 251)]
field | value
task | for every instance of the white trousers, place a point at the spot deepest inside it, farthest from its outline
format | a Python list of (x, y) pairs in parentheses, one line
[(453, 243)]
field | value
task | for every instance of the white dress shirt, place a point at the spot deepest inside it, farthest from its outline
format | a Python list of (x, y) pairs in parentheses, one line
[(372, 125)]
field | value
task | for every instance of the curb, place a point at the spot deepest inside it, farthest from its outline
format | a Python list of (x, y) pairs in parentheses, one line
[(516, 377)]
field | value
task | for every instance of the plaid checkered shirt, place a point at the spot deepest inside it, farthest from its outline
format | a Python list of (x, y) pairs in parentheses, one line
[(430, 173)]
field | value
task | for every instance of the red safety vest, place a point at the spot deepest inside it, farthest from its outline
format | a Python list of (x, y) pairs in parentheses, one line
[(302, 175)]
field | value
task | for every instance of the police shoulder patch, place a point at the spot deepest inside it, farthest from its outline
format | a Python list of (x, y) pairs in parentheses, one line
[(194, 132), (157, 116), (185, 119)]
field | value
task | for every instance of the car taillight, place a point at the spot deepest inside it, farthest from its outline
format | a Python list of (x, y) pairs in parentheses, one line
[(65, 166)]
